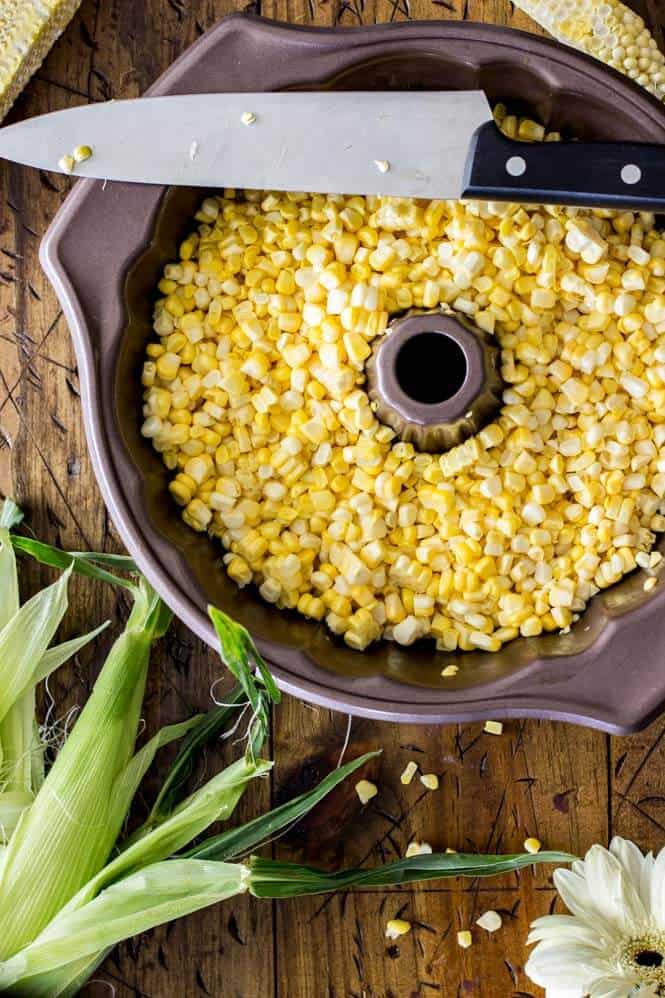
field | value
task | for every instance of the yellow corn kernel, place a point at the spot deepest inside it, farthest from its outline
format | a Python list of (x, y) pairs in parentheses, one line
[(409, 772), (167, 366), (239, 571), (197, 515), (493, 727), (366, 791), (397, 927), (464, 939)]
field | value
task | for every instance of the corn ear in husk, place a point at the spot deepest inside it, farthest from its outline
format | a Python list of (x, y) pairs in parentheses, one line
[(25, 660), (67, 834), (155, 894)]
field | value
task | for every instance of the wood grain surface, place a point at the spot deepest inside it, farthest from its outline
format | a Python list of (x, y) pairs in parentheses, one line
[(568, 786)]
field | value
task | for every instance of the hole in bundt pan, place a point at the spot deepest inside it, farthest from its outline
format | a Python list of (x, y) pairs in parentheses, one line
[(195, 561), (430, 368)]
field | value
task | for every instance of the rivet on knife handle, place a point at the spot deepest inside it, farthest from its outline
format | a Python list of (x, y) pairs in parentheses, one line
[(596, 174)]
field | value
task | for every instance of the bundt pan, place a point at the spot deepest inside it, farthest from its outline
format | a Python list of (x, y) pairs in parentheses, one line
[(104, 253)]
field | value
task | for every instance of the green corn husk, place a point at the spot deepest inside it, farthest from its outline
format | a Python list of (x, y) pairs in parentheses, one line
[(156, 894), (65, 975), (172, 824), (242, 657), (139, 854), (25, 660), (79, 813), (215, 801), (273, 879), (237, 842), (67, 834)]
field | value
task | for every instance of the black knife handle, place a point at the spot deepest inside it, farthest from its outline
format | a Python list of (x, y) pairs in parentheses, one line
[(596, 174)]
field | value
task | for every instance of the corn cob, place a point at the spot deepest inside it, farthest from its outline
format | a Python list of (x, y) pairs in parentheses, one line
[(28, 29), (607, 30)]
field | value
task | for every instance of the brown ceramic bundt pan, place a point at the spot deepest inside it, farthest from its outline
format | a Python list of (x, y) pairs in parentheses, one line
[(104, 253)]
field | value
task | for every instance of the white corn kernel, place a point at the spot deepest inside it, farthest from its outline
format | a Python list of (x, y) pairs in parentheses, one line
[(418, 849), (490, 920), (66, 163)]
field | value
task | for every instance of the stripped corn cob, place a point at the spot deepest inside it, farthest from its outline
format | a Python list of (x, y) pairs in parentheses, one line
[(28, 29), (607, 30)]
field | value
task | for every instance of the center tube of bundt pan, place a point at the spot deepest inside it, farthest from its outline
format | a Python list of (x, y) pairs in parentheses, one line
[(434, 378)]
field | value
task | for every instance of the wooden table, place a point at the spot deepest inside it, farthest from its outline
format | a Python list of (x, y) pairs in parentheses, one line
[(567, 786)]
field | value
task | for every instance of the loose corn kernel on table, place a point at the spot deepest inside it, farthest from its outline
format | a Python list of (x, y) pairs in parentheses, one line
[(497, 786)]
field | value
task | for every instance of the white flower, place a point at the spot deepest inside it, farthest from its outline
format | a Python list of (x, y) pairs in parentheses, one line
[(612, 945)]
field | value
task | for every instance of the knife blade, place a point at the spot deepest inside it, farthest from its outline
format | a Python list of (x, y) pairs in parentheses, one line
[(423, 144), (299, 141)]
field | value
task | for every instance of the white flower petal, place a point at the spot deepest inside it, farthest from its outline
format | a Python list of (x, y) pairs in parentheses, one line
[(563, 993), (566, 965), (615, 898), (637, 866), (646, 878), (575, 894), (565, 927), (612, 987), (630, 857), (658, 890)]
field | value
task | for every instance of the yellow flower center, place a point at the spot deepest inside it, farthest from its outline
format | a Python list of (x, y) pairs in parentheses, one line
[(644, 957)]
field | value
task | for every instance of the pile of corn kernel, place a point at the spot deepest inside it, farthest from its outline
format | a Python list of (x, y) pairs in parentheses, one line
[(255, 398)]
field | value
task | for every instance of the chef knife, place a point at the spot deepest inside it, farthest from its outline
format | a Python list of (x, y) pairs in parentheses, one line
[(432, 144)]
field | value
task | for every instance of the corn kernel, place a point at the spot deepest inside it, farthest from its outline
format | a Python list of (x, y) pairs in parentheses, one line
[(81, 153), (397, 927), (66, 163), (418, 849), (490, 920), (493, 727), (410, 771), (464, 939), (366, 791)]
